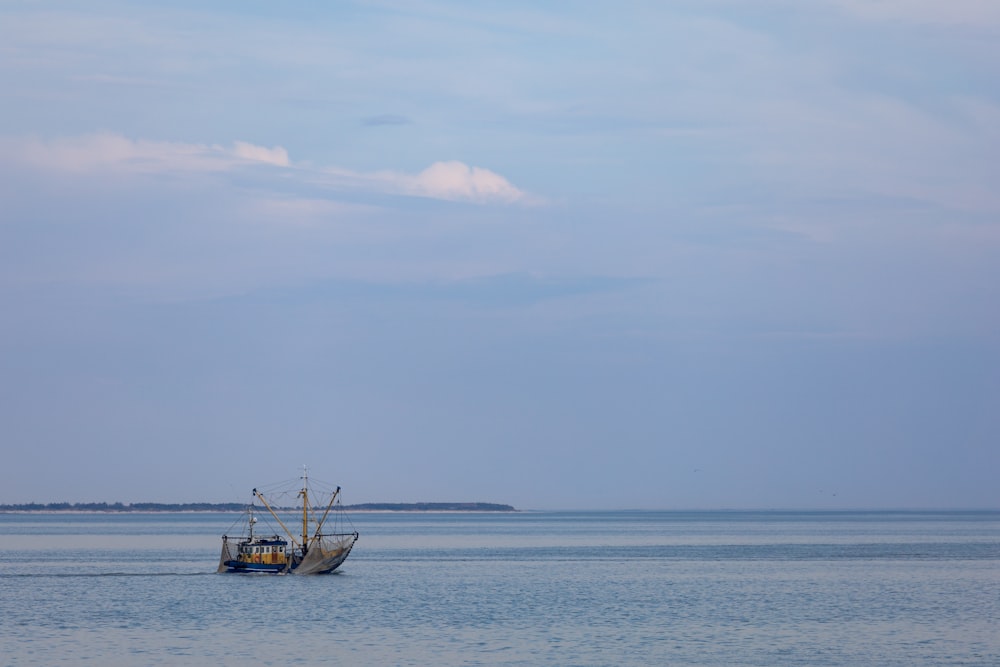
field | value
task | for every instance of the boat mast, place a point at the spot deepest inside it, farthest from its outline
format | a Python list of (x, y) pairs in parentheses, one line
[(305, 508)]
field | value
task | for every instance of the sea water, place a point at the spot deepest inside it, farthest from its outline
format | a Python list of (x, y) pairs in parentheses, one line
[(526, 588)]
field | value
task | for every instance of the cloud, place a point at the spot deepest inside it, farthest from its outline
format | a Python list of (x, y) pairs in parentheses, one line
[(979, 14), (277, 156), (386, 119), (108, 151), (451, 180), (458, 181), (976, 13)]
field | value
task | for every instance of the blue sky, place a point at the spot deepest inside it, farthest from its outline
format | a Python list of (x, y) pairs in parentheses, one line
[(709, 254)]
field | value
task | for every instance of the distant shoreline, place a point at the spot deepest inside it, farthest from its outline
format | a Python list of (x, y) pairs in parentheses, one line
[(148, 508)]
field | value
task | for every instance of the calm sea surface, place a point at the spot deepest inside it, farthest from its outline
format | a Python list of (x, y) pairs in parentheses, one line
[(531, 588)]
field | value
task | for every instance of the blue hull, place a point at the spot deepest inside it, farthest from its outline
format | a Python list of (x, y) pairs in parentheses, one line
[(248, 568)]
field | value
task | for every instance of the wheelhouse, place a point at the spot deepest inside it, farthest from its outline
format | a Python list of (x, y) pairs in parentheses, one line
[(270, 551)]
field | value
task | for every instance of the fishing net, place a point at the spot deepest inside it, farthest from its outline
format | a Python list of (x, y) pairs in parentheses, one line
[(326, 553), (229, 552)]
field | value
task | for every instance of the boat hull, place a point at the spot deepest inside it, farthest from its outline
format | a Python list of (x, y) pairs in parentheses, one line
[(253, 568)]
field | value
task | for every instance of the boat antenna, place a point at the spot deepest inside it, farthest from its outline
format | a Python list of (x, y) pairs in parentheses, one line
[(251, 519)]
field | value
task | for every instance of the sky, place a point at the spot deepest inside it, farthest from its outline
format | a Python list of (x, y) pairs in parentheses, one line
[(698, 254)]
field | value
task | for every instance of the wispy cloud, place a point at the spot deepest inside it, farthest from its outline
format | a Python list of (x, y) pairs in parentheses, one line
[(978, 13), (490, 290), (277, 156), (108, 151), (446, 180), (386, 119)]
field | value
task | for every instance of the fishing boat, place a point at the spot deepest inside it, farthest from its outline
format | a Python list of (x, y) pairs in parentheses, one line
[(321, 547)]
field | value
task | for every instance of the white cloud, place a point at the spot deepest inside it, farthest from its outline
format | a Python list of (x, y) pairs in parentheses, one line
[(458, 181), (452, 181), (277, 156)]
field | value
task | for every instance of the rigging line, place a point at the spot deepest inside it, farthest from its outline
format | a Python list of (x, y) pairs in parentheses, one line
[(278, 487)]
